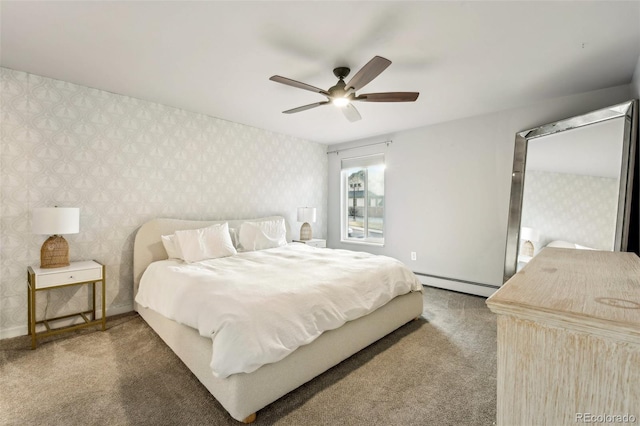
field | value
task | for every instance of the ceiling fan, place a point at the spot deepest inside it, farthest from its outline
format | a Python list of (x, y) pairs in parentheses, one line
[(343, 94)]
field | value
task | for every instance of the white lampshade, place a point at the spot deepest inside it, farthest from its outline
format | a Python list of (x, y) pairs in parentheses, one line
[(55, 220), (529, 234), (306, 214)]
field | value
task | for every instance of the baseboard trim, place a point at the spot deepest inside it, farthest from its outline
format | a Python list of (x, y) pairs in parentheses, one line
[(8, 333), (462, 286)]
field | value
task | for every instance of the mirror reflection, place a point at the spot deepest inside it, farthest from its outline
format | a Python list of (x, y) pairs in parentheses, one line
[(570, 196), (571, 186)]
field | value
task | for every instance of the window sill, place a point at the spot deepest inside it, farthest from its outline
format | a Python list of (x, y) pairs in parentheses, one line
[(362, 243)]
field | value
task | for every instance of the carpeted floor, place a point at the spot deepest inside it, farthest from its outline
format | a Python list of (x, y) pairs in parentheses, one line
[(439, 370)]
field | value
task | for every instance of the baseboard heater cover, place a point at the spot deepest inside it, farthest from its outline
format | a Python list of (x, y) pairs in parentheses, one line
[(463, 286)]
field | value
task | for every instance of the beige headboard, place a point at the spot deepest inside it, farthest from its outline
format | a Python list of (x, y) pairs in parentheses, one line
[(148, 246)]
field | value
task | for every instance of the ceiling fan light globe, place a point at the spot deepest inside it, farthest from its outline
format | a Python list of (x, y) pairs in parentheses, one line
[(340, 102)]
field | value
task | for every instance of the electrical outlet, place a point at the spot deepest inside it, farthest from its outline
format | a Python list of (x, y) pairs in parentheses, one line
[(413, 255)]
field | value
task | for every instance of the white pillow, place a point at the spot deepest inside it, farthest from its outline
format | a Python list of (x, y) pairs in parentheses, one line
[(206, 243), (262, 235), (172, 249), (234, 236)]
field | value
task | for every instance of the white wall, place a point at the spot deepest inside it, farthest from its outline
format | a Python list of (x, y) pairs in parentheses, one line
[(635, 83), (580, 209), (634, 230), (448, 186), (123, 161)]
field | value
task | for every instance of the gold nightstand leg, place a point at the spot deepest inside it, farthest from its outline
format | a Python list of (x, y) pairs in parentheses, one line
[(33, 319), (28, 304), (93, 297), (104, 302), (31, 309)]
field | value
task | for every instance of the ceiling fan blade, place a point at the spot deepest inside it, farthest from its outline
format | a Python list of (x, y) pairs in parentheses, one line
[(371, 70), (299, 85), (304, 108), (388, 97), (351, 113)]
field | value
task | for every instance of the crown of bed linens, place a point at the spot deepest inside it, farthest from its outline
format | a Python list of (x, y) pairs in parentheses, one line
[(148, 245)]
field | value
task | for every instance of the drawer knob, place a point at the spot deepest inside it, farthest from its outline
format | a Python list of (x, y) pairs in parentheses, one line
[(70, 276)]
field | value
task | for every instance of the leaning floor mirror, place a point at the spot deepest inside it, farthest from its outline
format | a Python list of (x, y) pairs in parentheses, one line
[(571, 185)]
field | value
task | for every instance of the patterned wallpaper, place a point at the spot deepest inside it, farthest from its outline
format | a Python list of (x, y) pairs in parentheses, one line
[(123, 161), (575, 208)]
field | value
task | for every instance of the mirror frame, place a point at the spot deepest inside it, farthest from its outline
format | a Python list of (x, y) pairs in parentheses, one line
[(629, 110)]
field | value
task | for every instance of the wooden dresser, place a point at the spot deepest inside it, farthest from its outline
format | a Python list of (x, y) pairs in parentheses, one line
[(569, 340)]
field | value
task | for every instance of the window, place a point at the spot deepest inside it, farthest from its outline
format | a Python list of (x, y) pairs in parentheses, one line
[(363, 199)]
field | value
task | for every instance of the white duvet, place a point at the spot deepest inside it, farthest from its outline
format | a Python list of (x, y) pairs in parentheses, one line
[(259, 306)]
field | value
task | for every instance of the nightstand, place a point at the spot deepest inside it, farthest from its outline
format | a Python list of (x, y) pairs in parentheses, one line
[(77, 273), (314, 242)]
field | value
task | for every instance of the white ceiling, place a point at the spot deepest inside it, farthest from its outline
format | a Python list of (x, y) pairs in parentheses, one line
[(593, 150), (215, 58)]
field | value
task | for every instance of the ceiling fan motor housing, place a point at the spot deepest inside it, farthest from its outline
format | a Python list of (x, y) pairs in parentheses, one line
[(341, 72), (338, 91)]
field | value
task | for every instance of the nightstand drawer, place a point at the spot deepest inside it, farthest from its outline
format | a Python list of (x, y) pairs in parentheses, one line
[(68, 277), (315, 242)]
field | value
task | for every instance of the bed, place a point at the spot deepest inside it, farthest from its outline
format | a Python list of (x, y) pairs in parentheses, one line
[(244, 393)]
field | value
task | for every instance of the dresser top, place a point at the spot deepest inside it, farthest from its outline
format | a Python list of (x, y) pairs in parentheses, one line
[(577, 286)]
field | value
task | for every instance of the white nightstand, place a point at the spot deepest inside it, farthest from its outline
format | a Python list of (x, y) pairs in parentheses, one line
[(77, 273), (314, 242)]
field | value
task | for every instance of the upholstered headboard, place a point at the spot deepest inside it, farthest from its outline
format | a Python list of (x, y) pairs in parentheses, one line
[(148, 246)]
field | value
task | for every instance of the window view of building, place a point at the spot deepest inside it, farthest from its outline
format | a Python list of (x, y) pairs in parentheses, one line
[(363, 217)]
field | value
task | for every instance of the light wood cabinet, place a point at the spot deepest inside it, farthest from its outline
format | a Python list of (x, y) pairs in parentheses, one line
[(569, 340)]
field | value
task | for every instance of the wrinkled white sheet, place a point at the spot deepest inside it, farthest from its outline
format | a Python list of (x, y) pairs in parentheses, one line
[(260, 306)]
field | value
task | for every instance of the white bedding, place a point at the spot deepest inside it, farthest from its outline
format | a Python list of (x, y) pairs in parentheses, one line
[(260, 306)]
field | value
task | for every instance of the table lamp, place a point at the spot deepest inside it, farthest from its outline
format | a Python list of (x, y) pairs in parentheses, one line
[(528, 235), (306, 215), (54, 221)]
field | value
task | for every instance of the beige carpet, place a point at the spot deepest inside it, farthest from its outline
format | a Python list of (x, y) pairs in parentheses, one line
[(440, 370)]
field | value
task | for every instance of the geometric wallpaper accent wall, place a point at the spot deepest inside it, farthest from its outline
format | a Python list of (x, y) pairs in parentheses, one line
[(574, 208), (123, 161)]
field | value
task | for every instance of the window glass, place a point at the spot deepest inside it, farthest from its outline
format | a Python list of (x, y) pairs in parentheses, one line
[(363, 199), (375, 214)]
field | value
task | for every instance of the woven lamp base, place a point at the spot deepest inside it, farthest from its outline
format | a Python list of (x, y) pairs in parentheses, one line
[(305, 232), (54, 252), (527, 248)]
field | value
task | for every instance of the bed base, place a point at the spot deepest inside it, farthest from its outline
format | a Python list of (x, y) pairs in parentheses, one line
[(242, 395)]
